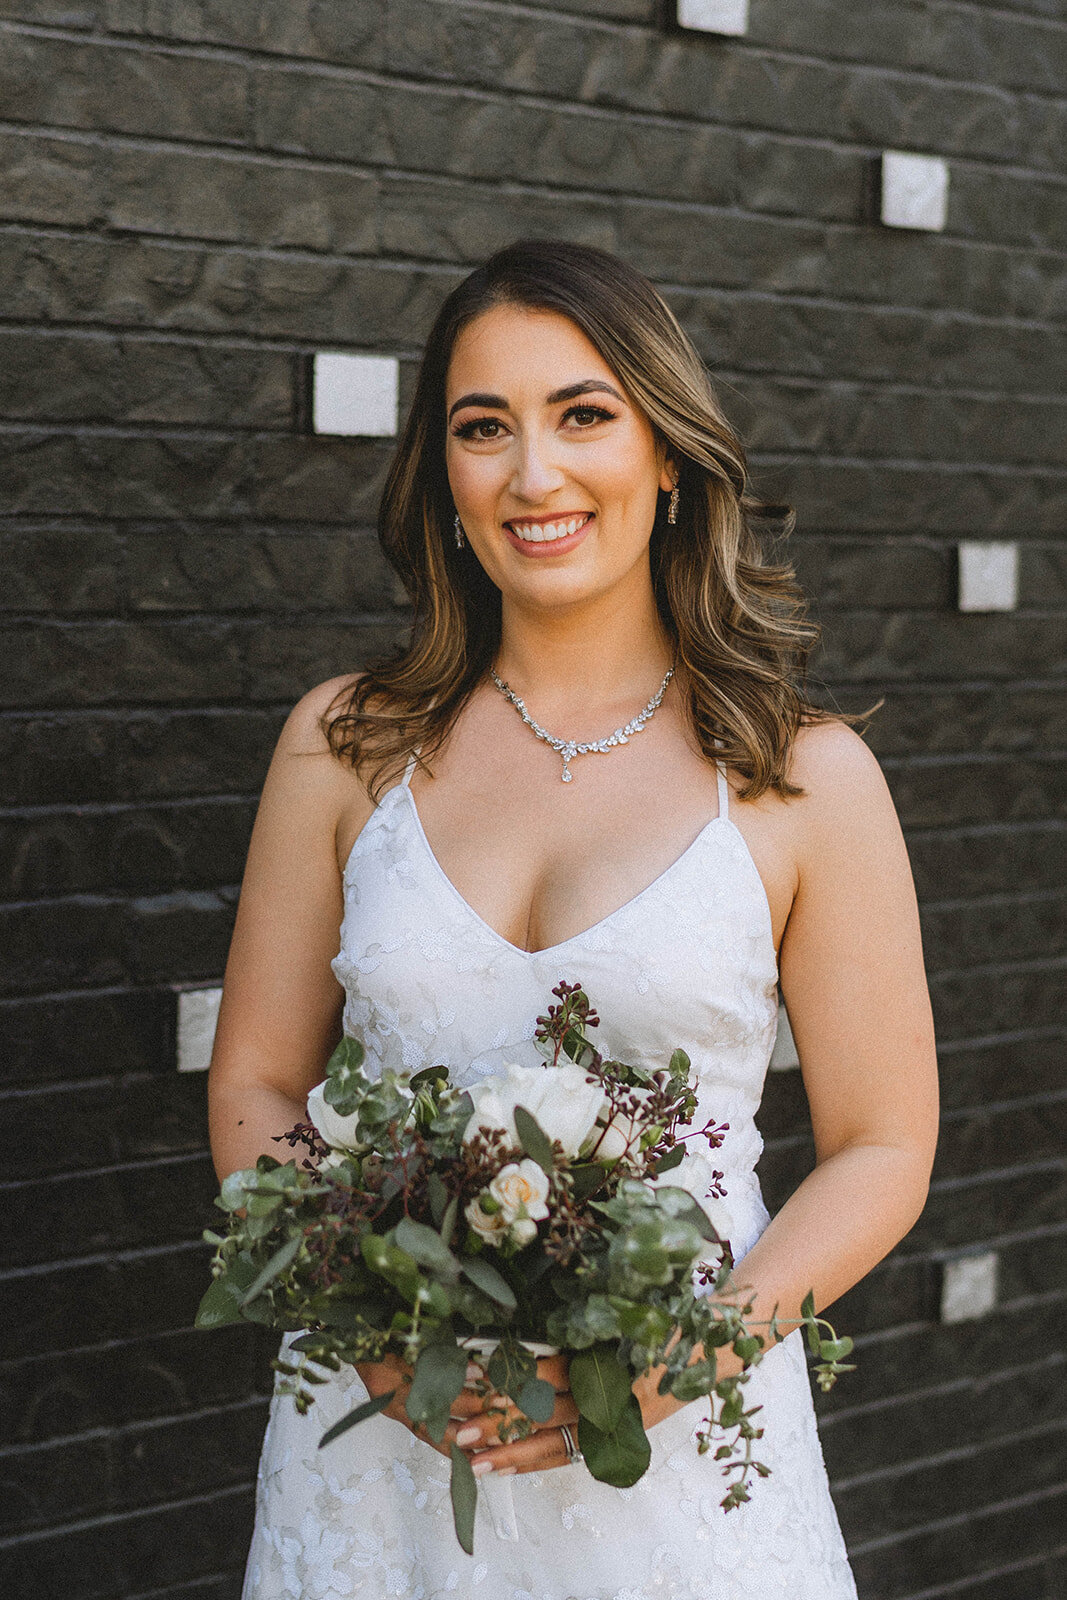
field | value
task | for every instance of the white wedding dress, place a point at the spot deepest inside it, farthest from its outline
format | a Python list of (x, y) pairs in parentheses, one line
[(689, 961)]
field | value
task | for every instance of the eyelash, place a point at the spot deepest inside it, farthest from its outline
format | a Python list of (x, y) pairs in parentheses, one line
[(466, 429)]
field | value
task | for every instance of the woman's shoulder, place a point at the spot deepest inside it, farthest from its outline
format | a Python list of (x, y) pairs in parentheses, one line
[(845, 789), (305, 725), (309, 783)]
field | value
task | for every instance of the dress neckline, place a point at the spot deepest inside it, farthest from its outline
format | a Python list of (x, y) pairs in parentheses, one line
[(564, 944)]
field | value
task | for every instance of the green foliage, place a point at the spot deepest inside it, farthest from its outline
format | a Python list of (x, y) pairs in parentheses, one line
[(533, 1140), (464, 1490), (369, 1408), (601, 1385), (440, 1373), (371, 1255), (620, 1454)]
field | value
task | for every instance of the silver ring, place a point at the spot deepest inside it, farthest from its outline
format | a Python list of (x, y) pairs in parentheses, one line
[(574, 1455)]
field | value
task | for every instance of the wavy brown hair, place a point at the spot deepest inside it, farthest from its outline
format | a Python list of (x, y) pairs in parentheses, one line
[(738, 621)]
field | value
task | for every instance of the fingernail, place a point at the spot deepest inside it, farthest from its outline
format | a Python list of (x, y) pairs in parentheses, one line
[(480, 1468), (468, 1436), (506, 1472)]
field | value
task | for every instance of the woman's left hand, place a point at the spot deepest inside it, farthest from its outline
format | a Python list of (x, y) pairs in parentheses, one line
[(478, 1433)]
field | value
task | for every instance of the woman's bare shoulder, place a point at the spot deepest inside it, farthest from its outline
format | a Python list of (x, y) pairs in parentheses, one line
[(304, 731), (845, 789)]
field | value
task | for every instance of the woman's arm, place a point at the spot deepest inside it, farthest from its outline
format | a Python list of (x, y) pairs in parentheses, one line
[(853, 980), (280, 1015)]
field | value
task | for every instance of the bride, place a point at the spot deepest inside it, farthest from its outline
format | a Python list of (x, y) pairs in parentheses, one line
[(567, 508)]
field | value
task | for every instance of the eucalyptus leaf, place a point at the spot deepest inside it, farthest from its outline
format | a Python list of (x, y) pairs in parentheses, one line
[(427, 1247), (586, 1178), (485, 1277), (440, 1373), (464, 1490), (369, 1408), (437, 1195), (534, 1140), (601, 1385), (672, 1159), (511, 1366), (448, 1221), (537, 1399), (282, 1258), (619, 1455), (218, 1305), (222, 1301)]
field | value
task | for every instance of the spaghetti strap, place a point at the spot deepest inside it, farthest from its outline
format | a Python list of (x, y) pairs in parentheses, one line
[(408, 770), (724, 791)]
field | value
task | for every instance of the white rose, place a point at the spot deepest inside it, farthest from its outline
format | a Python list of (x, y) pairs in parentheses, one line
[(523, 1229), (522, 1189), (563, 1103), (622, 1134), (339, 1132), (488, 1225)]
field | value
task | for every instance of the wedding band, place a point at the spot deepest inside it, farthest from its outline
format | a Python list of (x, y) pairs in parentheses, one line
[(573, 1453)]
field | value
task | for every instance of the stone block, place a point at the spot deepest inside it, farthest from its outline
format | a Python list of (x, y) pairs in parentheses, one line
[(49, 569), (118, 1031), (41, 1485), (198, 1012), (988, 576), (354, 394), (969, 1286), (969, 1004), (171, 1459), (713, 16), (914, 190)]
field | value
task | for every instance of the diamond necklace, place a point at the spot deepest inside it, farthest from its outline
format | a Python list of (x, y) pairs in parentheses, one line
[(569, 748)]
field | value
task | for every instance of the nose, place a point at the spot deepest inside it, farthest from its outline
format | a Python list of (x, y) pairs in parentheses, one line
[(535, 476)]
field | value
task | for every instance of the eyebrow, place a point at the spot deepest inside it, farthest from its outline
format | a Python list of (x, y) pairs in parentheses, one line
[(498, 403)]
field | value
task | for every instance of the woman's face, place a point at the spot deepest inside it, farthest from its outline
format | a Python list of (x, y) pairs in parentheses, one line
[(554, 471)]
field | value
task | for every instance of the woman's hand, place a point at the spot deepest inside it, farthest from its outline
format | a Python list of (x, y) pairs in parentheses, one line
[(481, 1422)]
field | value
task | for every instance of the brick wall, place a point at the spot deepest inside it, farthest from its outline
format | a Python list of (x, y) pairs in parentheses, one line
[(193, 199)]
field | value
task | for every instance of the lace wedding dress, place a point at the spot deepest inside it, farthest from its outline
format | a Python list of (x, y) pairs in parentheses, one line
[(689, 961)]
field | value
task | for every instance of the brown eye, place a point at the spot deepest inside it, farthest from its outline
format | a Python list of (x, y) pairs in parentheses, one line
[(466, 430), (592, 414)]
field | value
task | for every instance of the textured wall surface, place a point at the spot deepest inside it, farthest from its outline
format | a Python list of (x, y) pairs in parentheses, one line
[(197, 195)]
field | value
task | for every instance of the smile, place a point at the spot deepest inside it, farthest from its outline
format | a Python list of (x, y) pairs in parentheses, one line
[(548, 532)]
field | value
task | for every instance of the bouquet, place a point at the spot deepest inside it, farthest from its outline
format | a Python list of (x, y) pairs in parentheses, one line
[(527, 1209)]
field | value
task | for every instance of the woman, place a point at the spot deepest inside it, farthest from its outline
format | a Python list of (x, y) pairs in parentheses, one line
[(567, 508)]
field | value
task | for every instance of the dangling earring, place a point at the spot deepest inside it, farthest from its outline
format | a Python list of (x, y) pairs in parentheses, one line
[(460, 540), (672, 508)]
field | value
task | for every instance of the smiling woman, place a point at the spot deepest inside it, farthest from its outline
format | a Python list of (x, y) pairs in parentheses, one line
[(569, 510), (652, 425)]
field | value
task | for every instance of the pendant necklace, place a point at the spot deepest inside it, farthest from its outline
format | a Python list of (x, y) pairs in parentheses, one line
[(569, 748)]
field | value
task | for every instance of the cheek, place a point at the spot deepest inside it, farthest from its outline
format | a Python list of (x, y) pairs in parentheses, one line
[(474, 479)]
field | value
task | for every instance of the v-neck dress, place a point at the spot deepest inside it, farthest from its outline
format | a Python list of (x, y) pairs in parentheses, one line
[(688, 962)]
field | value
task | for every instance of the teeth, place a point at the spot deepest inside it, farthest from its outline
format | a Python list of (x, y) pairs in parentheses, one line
[(541, 534)]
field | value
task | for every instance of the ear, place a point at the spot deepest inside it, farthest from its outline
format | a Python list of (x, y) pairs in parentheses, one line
[(669, 474)]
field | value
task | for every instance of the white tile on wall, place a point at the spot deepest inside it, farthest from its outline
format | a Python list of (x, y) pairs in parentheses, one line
[(198, 1012), (714, 16), (914, 190), (969, 1287), (988, 575), (357, 396)]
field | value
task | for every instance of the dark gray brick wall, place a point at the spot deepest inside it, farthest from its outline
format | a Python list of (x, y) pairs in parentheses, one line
[(193, 198)]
